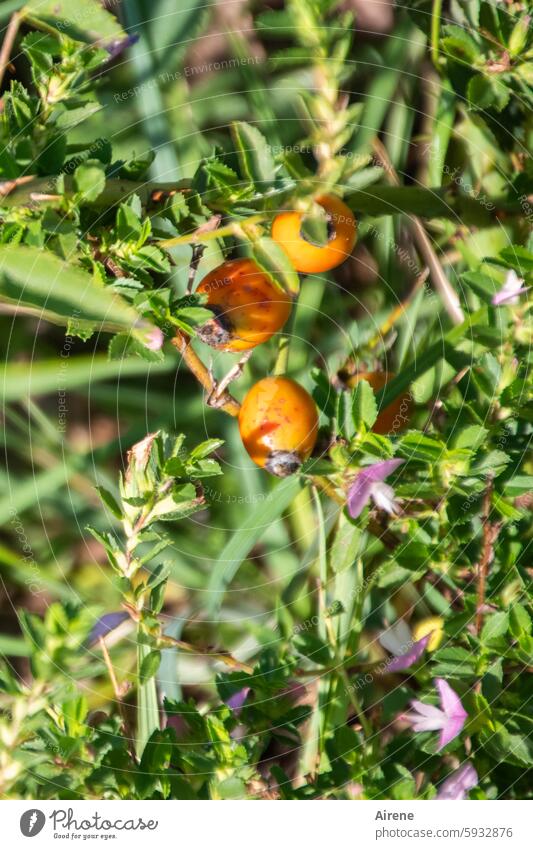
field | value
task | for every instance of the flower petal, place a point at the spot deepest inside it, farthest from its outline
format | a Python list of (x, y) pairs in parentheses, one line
[(397, 638), (511, 289), (424, 723), (457, 785), (361, 489), (383, 497), (380, 471), (359, 495), (404, 661), (449, 700), (107, 623), (427, 710), (237, 700), (453, 727)]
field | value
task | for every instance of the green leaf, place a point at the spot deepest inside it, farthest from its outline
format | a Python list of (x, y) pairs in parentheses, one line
[(149, 666), (486, 92), (454, 662), (313, 647), (129, 227), (506, 746), (364, 407), (519, 620), (255, 159), (471, 437), (525, 71), (85, 20), (483, 285), (158, 576), (496, 625), (19, 381), (416, 446), (275, 262), (491, 464), (346, 545), (125, 345), (89, 180), (518, 257), (519, 35), (459, 45), (110, 501), (518, 485), (231, 788), (204, 449), (38, 279)]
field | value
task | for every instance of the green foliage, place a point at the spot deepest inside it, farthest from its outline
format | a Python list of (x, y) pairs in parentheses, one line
[(123, 183)]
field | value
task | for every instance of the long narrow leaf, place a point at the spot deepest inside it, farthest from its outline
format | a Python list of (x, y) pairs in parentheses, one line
[(38, 279), (242, 540)]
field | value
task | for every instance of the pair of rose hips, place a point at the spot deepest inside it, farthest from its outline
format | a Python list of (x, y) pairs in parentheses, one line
[(278, 420), (248, 307)]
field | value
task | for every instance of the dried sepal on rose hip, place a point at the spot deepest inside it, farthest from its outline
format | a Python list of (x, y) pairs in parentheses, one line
[(307, 257), (278, 423), (248, 307)]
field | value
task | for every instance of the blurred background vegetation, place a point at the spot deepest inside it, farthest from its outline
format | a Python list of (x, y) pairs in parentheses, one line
[(191, 70)]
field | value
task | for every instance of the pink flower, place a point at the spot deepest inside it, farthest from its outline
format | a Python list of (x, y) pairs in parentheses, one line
[(511, 289), (449, 718), (237, 700), (154, 339), (369, 484), (398, 640), (149, 335), (457, 785)]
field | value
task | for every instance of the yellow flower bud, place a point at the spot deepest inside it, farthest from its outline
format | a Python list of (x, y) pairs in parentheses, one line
[(431, 625)]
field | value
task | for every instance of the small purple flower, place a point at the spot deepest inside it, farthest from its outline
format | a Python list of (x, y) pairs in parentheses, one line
[(119, 45), (237, 700), (107, 623), (398, 640), (449, 719), (369, 484), (457, 785), (510, 291)]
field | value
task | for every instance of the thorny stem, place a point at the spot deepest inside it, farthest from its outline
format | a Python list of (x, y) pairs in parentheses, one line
[(7, 44), (440, 281), (490, 534), (197, 252), (227, 402), (232, 375), (118, 695), (203, 235)]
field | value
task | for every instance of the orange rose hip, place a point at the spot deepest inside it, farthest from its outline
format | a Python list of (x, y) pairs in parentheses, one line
[(248, 307), (278, 423), (307, 257)]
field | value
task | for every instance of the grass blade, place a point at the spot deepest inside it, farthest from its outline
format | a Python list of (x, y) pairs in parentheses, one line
[(242, 540)]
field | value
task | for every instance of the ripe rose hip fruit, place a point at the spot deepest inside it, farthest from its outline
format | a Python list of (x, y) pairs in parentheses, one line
[(307, 257), (278, 423), (248, 308), (395, 416)]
